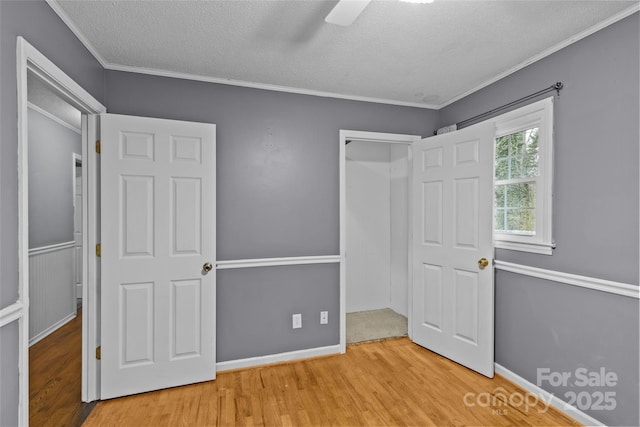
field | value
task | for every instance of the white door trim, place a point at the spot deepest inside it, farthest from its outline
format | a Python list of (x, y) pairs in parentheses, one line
[(354, 135), (29, 58)]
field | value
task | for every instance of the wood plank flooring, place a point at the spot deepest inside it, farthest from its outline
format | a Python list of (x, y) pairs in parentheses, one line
[(55, 365), (386, 383)]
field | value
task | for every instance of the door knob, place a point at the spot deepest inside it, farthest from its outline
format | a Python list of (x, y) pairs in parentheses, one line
[(482, 263), (207, 267)]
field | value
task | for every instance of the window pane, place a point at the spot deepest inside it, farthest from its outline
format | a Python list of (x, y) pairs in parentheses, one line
[(524, 167), (521, 221), (521, 195), (499, 220), (516, 167), (501, 199), (517, 155), (502, 146), (514, 211), (502, 168)]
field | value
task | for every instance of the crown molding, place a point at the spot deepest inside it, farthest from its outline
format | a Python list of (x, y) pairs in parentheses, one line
[(553, 49), (301, 91), (265, 86)]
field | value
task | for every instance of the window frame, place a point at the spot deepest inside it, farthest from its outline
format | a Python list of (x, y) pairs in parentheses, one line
[(538, 114)]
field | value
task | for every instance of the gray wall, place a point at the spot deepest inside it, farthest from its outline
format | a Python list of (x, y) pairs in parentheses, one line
[(255, 306), (9, 375), (277, 178), (38, 24), (51, 146), (541, 324), (277, 196)]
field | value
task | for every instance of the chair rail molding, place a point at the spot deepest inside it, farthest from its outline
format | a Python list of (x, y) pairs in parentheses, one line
[(618, 288), (272, 262), (11, 313)]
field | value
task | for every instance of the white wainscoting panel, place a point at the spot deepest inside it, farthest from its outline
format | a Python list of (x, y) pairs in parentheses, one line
[(52, 289)]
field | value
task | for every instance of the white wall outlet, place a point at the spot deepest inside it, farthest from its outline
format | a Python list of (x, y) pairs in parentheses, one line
[(296, 321), (324, 317)]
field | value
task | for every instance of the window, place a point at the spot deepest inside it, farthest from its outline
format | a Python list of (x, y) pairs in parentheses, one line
[(522, 178)]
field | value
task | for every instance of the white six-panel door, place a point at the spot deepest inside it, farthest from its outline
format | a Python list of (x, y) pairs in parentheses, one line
[(453, 295), (158, 231)]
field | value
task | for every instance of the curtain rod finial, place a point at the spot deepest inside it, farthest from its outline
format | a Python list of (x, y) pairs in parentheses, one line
[(558, 87)]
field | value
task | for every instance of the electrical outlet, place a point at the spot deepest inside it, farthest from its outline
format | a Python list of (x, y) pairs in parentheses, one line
[(324, 317), (296, 321)]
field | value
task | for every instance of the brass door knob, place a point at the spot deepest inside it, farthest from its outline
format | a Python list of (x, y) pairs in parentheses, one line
[(207, 267), (483, 262)]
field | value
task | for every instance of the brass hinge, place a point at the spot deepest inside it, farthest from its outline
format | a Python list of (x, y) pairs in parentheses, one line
[(99, 352), (98, 146), (98, 249)]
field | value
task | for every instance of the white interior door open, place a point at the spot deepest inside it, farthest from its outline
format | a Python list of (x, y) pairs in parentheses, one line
[(158, 250), (453, 289)]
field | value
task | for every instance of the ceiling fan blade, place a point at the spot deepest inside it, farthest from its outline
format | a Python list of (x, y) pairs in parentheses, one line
[(346, 11)]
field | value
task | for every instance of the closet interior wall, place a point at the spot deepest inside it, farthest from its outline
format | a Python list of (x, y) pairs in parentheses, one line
[(377, 226)]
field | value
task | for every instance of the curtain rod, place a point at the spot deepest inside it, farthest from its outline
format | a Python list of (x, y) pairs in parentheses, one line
[(558, 86)]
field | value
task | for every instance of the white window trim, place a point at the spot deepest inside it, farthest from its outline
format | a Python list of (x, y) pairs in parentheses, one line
[(539, 114)]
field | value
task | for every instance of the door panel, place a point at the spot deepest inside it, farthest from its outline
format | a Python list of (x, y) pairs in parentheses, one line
[(186, 224), (158, 230), (453, 229), (137, 312), (432, 288), (185, 315), (137, 202)]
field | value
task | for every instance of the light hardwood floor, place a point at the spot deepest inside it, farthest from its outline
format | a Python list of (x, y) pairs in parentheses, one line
[(385, 383), (54, 378)]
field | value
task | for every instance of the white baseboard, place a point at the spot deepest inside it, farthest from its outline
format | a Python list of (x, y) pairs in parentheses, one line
[(277, 358), (557, 403), (51, 329)]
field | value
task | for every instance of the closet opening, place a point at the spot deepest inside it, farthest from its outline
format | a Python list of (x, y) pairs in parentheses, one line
[(377, 238)]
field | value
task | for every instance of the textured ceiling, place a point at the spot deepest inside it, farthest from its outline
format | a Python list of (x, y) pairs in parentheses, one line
[(414, 54)]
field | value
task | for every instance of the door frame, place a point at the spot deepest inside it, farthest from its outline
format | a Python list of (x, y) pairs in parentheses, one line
[(28, 58), (373, 137)]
